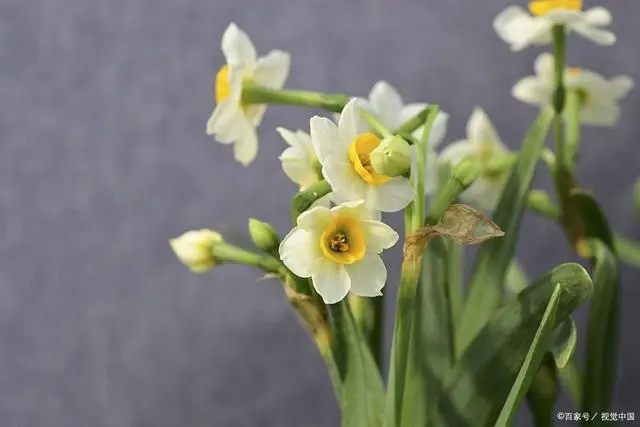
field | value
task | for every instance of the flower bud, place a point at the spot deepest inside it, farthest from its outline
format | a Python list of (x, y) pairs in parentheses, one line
[(392, 157), (193, 249), (264, 236), (466, 171)]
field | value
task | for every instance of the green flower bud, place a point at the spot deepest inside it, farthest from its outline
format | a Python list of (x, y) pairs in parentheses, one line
[(466, 172), (392, 157), (499, 165), (264, 236)]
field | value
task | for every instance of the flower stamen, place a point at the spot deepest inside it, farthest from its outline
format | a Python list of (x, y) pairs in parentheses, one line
[(342, 241)]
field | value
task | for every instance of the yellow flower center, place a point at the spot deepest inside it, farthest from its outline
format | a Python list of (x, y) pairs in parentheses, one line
[(543, 7), (222, 87), (359, 152), (573, 71), (342, 241)]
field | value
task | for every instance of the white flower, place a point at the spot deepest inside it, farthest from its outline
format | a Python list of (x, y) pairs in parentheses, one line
[(484, 143), (344, 151), (300, 162), (232, 121), (521, 29), (600, 96), (339, 249), (387, 104), (193, 249)]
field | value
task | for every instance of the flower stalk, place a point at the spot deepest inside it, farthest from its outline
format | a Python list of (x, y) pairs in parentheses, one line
[(256, 94)]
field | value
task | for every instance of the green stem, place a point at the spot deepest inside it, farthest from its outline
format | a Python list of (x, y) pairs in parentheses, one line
[(377, 334), (304, 199), (422, 150), (559, 36), (414, 122), (256, 94), (462, 176), (574, 105), (375, 123), (226, 253)]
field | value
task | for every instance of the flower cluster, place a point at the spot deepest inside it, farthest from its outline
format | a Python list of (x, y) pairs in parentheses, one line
[(338, 247)]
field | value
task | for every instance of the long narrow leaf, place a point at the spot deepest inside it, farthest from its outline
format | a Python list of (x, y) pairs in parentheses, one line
[(485, 287), (532, 360), (485, 374), (362, 394)]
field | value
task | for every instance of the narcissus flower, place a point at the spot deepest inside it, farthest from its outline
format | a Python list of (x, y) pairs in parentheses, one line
[(482, 143), (385, 101), (344, 152), (521, 29), (193, 249), (232, 121), (300, 162), (339, 249), (599, 96)]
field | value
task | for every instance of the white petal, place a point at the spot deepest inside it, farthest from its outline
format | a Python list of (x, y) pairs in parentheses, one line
[(484, 193), (297, 167), (379, 236), (519, 29), (237, 47), (299, 252), (324, 137), (351, 123), (606, 114), (531, 90), (331, 281), (323, 202), (597, 16), (564, 16), (223, 121), (289, 136), (245, 148), (620, 86), (393, 196), (543, 67), (255, 113), (315, 219), (386, 103), (343, 180), (355, 208), (456, 151), (438, 130), (368, 276), (272, 69), (480, 128), (431, 173), (596, 35)]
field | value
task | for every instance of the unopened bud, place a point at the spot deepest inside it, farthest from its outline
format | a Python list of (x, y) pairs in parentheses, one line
[(193, 249), (264, 236), (466, 171), (392, 157)]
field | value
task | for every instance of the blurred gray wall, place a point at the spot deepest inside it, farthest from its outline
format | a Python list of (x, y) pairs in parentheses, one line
[(103, 157)]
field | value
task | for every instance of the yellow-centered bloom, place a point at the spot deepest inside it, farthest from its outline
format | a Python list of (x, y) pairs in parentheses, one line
[(339, 249), (484, 144), (344, 150), (193, 249), (232, 121), (521, 29), (600, 96)]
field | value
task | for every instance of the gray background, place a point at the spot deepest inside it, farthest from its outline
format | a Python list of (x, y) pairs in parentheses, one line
[(103, 157)]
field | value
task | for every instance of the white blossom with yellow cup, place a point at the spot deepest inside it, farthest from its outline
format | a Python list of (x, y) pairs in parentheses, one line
[(387, 104), (339, 249), (344, 152), (600, 96), (484, 144), (300, 162), (233, 122), (521, 29)]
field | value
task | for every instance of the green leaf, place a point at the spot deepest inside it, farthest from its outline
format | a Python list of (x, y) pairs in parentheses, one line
[(564, 341), (486, 372), (492, 261), (543, 393), (627, 250), (532, 360), (602, 331), (516, 279), (431, 358), (455, 268), (362, 394)]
